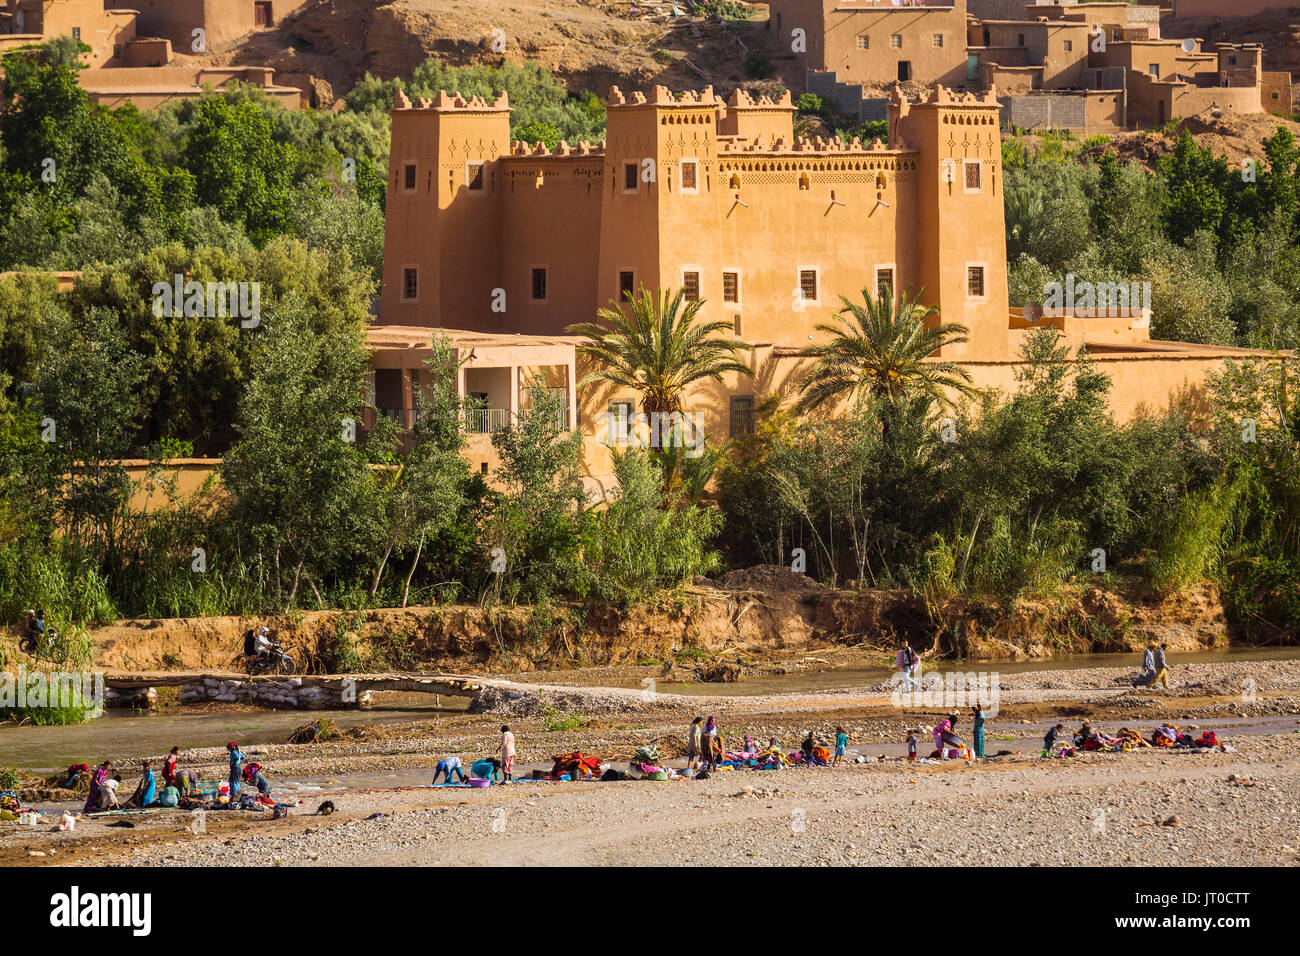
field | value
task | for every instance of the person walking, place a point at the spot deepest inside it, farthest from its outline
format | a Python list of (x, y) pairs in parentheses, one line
[(507, 754), (1161, 668), (1148, 675), (693, 744), (979, 731), (905, 661)]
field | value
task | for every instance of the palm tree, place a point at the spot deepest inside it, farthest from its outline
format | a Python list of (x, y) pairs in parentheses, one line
[(881, 349), (657, 348)]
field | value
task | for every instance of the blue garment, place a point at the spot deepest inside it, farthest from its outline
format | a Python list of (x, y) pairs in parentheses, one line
[(236, 759), (979, 734), (150, 788)]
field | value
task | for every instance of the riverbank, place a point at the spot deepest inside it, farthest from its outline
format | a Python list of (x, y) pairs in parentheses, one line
[(759, 620), (1238, 806)]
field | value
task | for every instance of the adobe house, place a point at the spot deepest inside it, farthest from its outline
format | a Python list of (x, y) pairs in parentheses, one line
[(502, 245), (223, 21), (876, 41), (1104, 67), (107, 32), (1227, 9), (123, 65)]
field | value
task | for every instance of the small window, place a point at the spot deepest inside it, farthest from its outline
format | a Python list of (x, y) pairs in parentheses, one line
[(896, 42), (690, 174), (410, 283), (808, 284), (936, 40), (539, 285), (408, 177), (975, 282), (974, 176), (742, 415), (885, 283), (1154, 69), (864, 43), (731, 287), (691, 286), (474, 177), (1020, 39), (1069, 46), (1232, 61), (620, 420), (631, 177), (626, 284), (76, 33)]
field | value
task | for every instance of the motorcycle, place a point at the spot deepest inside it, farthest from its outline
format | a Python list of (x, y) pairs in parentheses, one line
[(272, 661), (31, 642)]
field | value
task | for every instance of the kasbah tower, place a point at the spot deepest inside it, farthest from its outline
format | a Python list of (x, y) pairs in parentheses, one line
[(719, 198)]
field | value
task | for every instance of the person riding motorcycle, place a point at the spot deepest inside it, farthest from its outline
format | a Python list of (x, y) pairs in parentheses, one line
[(34, 630), (257, 644)]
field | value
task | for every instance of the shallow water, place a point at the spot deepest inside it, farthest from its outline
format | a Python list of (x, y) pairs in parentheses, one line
[(838, 678), (122, 733)]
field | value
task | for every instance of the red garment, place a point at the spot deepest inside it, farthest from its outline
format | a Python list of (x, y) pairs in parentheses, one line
[(169, 770)]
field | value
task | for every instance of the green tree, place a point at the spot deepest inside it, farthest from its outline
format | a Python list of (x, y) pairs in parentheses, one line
[(657, 347), (299, 491), (882, 348)]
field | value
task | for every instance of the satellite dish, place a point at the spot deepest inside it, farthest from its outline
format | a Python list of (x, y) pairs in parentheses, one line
[(1189, 45)]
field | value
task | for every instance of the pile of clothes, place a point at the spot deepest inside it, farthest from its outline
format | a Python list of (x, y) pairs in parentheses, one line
[(1170, 735), (575, 766)]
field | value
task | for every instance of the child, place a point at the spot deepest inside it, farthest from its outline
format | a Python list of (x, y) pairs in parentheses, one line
[(447, 766), (108, 793), (693, 744), (169, 766), (507, 753), (911, 746), (841, 744), (1050, 738)]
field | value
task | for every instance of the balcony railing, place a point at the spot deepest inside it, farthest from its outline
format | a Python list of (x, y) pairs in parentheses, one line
[(484, 421)]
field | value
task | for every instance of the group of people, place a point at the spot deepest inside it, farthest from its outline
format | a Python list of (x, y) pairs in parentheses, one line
[(498, 770), (1155, 667), (1088, 737), (947, 745), (104, 784), (177, 783)]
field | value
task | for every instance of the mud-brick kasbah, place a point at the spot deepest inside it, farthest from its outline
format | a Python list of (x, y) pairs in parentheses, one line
[(720, 199)]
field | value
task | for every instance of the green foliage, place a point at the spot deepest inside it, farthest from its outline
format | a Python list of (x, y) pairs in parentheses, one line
[(538, 100), (758, 65), (536, 520), (637, 545), (722, 10)]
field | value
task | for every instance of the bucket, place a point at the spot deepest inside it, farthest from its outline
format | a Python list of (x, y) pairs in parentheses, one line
[(480, 782)]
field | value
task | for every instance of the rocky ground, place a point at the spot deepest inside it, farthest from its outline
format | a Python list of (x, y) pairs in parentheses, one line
[(1148, 808)]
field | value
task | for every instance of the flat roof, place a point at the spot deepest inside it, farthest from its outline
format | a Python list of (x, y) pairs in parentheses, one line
[(419, 336)]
